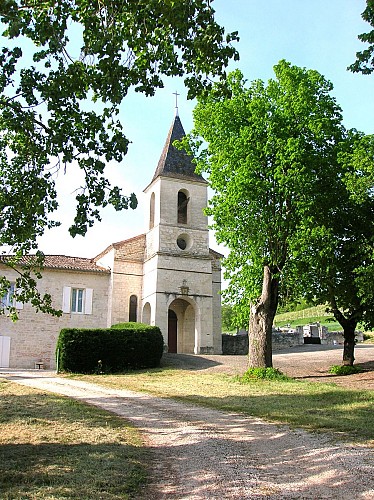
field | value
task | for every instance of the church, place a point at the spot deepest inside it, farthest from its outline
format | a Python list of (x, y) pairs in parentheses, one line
[(167, 276)]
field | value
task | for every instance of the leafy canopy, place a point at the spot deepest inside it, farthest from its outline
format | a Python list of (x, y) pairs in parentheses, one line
[(365, 59), (271, 155), (65, 68), (60, 56), (335, 259)]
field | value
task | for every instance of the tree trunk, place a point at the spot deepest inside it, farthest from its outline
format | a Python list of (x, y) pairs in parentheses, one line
[(349, 327), (261, 323), (349, 342)]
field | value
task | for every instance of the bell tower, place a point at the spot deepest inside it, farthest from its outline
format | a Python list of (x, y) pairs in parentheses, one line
[(178, 263)]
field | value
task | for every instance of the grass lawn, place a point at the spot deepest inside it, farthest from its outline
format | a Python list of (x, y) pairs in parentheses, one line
[(310, 405), (52, 447)]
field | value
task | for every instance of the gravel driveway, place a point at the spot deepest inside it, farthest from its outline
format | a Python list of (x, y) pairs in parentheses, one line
[(199, 453)]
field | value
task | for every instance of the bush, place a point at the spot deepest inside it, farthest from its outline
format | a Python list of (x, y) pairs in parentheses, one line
[(369, 337), (109, 350), (343, 369), (133, 326), (263, 374)]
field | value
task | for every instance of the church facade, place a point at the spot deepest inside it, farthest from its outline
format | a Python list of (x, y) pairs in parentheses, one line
[(167, 276)]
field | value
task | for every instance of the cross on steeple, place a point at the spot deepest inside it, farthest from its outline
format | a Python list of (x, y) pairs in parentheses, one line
[(176, 102)]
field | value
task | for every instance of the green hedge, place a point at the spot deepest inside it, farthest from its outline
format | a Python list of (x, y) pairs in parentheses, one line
[(110, 350)]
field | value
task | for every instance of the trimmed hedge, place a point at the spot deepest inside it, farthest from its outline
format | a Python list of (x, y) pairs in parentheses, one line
[(109, 350), (133, 326)]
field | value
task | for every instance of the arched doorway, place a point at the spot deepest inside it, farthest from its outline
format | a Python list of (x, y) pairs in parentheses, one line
[(181, 327), (172, 331)]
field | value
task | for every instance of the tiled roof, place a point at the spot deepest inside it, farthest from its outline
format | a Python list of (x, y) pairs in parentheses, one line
[(175, 162), (76, 263), (214, 254), (64, 262)]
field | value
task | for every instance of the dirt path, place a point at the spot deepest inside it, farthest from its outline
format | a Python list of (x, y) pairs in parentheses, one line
[(200, 453)]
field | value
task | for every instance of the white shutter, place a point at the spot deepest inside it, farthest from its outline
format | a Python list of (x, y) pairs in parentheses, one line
[(18, 305), (66, 299), (88, 301), (4, 351)]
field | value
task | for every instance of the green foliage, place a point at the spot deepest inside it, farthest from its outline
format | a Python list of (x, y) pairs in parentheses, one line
[(299, 305), (272, 159), (359, 168), (109, 350), (365, 59), (343, 369), (262, 374), (368, 337), (28, 271), (64, 70), (231, 319), (293, 198), (336, 259), (130, 325)]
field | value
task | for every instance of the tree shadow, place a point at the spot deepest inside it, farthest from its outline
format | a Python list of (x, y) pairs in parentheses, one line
[(188, 362), (309, 411), (50, 470)]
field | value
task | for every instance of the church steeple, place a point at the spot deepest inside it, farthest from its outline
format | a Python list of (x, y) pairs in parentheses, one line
[(175, 162)]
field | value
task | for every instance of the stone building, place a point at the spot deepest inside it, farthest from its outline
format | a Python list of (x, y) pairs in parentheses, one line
[(167, 276)]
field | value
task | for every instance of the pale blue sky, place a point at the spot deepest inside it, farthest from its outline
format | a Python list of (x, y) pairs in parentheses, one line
[(316, 34)]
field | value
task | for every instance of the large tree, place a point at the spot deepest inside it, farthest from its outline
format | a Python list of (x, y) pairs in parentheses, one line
[(336, 259), (365, 59), (65, 68), (271, 155)]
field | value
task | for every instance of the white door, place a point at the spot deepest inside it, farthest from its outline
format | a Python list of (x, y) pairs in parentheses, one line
[(4, 351)]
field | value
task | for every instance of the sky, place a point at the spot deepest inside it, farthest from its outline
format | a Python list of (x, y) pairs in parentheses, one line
[(315, 34)]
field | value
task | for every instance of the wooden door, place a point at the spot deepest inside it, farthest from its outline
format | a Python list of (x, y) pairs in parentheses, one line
[(172, 331)]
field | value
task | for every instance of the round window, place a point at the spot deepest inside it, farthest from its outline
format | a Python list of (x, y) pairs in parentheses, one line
[(184, 242)]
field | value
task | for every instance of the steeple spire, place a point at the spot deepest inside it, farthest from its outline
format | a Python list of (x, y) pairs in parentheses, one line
[(175, 162)]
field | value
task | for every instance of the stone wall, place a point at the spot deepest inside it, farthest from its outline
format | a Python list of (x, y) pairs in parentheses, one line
[(235, 344), (282, 340), (238, 344)]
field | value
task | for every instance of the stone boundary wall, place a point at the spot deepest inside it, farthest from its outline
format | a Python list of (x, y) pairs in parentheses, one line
[(238, 344), (281, 340), (235, 344)]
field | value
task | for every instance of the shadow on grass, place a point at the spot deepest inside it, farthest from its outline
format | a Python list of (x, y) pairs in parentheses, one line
[(48, 409), (368, 366), (188, 362), (106, 471), (349, 414)]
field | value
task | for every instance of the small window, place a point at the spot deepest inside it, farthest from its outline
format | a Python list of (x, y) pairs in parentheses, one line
[(133, 308), (152, 211), (77, 300), (7, 300), (182, 207)]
